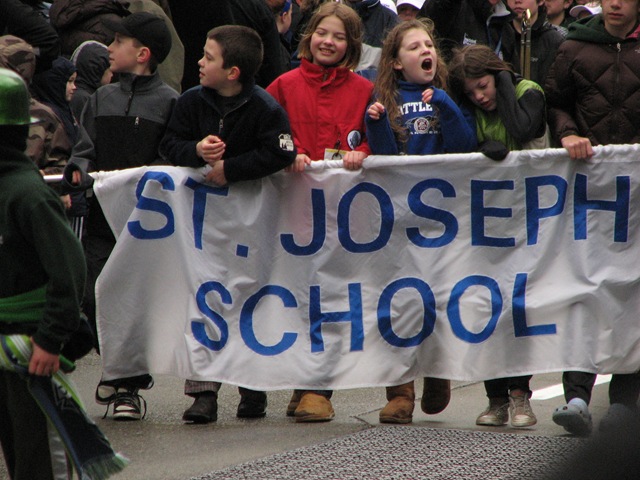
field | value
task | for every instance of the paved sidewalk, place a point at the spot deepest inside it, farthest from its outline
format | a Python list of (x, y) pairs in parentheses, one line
[(353, 445)]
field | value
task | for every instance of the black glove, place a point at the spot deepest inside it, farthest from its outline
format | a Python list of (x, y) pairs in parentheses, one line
[(494, 150), (66, 186)]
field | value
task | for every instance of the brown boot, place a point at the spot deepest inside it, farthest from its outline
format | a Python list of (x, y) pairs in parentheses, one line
[(314, 407), (401, 400), (435, 395), (294, 402)]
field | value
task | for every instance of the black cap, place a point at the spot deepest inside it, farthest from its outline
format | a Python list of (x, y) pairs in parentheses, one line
[(149, 29)]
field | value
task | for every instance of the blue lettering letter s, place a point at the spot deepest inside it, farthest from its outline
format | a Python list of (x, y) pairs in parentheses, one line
[(153, 205), (425, 211), (197, 328)]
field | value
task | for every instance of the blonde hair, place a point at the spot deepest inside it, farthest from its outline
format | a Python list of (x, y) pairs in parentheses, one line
[(386, 84), (353, 28)]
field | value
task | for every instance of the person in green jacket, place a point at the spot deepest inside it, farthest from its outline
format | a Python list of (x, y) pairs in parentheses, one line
[(41, 286)]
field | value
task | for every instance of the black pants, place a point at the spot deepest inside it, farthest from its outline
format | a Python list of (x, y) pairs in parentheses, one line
[(624, 388), (500, 387), (23, 431)]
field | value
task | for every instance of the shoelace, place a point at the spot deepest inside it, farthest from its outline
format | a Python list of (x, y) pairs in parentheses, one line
[(131, 400)]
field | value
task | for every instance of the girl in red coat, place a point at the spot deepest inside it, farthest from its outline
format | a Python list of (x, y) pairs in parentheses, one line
[(324, 99), (326, 103)]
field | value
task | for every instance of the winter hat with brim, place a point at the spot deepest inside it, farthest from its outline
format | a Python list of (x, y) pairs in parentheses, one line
[(149, 29)]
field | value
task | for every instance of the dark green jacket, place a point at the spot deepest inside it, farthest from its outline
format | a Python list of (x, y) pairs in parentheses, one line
[(37, 249)]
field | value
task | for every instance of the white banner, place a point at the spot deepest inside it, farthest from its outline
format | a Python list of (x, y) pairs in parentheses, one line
[(451, 266)]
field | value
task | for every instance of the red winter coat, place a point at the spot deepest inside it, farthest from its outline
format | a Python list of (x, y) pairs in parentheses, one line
[(326, 108)]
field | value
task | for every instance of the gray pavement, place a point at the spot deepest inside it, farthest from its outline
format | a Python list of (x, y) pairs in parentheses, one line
[(163, 447)]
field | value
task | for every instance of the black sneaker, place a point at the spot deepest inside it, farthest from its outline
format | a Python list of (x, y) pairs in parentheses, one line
[(128, 405)]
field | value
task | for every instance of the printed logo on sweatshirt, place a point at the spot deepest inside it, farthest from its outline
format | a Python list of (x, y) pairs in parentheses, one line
[(286, 142), (423, 126)]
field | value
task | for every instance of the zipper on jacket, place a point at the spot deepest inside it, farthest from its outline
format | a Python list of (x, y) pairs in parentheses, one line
[(131, 94), (612, 128), (129, 100), (221, 122)]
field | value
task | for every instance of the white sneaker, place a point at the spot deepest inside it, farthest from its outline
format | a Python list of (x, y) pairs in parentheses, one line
[(496, 414), (520, 410)]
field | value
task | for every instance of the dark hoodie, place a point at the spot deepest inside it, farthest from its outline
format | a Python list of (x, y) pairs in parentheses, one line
[(92, 60), (38, 249), (593, 87), (467, 22), (50, 87)]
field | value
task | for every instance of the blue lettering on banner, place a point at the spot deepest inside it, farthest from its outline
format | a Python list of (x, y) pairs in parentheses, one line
[(621, 205), (319, 215), (354, 315), (534, 213), (519, 312), (447, 219), (386, 218), (453, 308), (198, 328), (200, 192), (153, 205), (479, 212), (384, 312), (246, 321)]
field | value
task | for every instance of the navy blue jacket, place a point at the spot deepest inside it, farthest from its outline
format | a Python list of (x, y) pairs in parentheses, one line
[(256, 132)]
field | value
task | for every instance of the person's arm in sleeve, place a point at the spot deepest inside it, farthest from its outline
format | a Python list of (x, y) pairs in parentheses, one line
[(179, 144), (83, 156), (524, 117), (381, 138), (458, 130), (62, 259), (276, 150)]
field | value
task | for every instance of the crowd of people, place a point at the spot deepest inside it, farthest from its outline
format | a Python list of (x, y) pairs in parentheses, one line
[(253, 87)]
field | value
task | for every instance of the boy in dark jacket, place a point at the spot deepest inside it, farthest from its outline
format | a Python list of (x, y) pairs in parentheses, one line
[(592, 95), (124, 123), (240, 131)]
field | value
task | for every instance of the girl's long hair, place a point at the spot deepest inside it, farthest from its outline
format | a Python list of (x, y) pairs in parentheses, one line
[(353, 28), (471, 62), (386, 85)]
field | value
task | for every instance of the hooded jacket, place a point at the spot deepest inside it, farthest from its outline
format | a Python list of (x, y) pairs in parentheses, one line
[(47, 145), (593, 87), (38, 250), (92, 60)]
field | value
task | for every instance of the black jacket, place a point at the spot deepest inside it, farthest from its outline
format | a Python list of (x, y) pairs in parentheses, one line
[(194, 18), (24, 22), (256, 132), (464, 22)]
